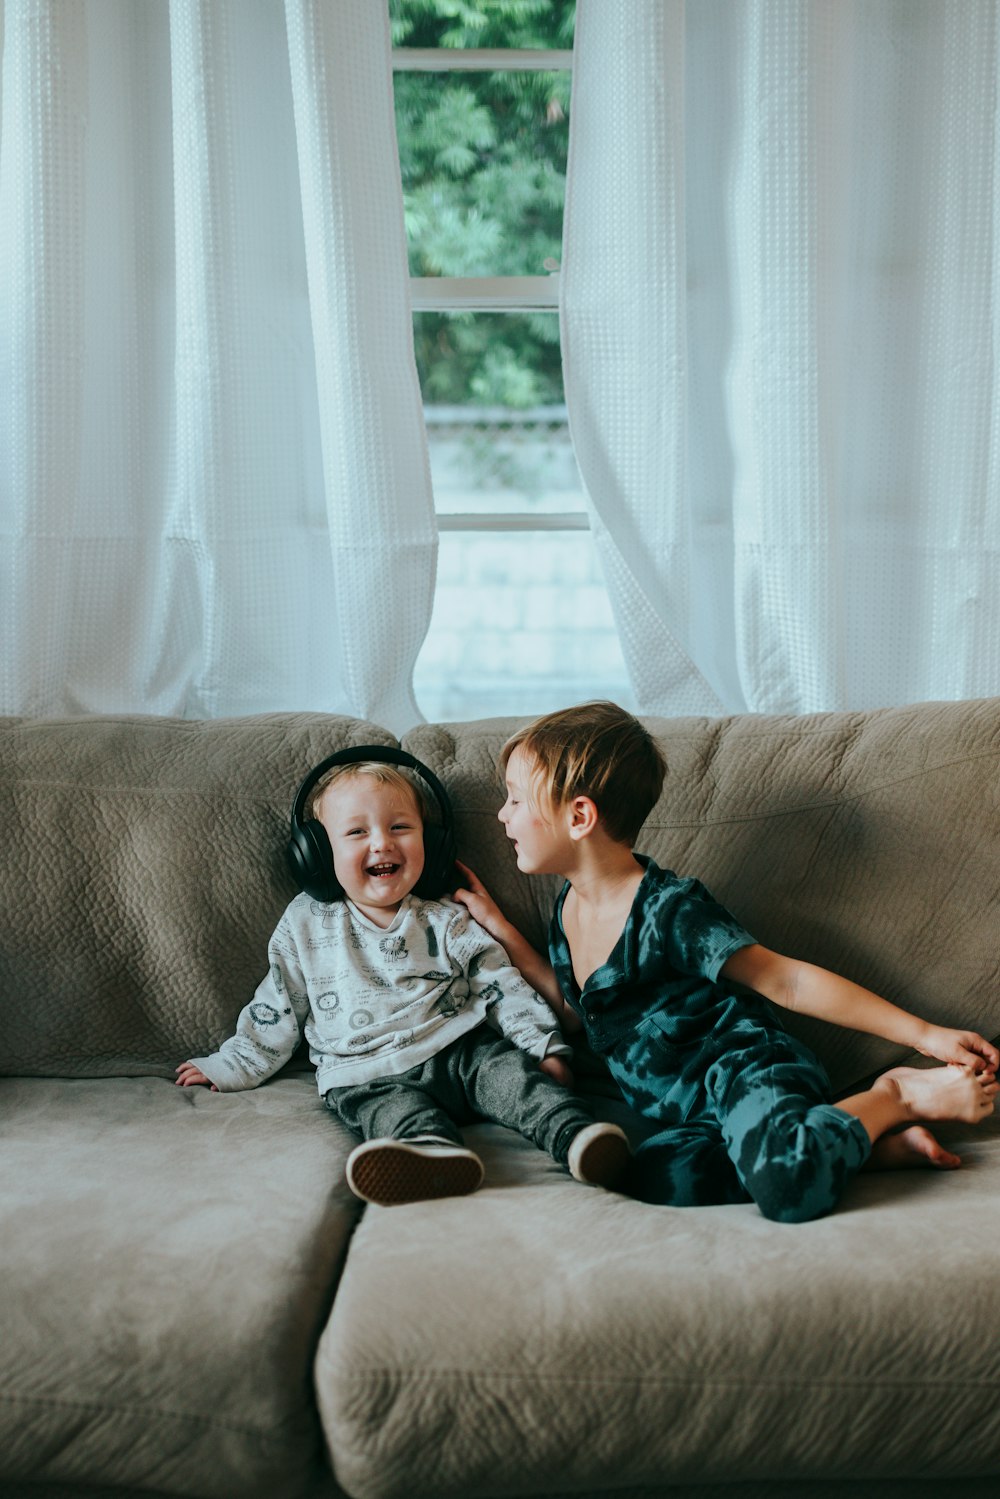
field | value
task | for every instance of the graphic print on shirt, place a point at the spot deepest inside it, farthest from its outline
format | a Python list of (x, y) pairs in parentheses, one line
[(327, 928), (326, 913), (394, 949), (452, 999), (265, 1014), (493, 994)]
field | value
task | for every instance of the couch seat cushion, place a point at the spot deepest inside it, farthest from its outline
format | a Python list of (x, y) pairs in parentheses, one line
[(542, 1336), (169, 1257)]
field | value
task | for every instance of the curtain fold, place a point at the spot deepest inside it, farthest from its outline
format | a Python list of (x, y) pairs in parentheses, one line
[(205, 358), (779, 318), (371, 413)]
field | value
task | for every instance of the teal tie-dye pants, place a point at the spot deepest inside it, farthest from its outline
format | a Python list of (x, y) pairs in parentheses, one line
[(746, 1115)]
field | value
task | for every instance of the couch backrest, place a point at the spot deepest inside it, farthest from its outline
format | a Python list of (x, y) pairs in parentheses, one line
[(142, 875), (866, 842), (143, 866)]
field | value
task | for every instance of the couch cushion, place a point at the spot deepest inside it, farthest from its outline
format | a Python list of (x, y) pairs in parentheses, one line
[(541, 1336), (865, 842), (143, 874), (169, 1258)]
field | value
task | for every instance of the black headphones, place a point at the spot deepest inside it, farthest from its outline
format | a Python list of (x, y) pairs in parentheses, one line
[(310, 857)]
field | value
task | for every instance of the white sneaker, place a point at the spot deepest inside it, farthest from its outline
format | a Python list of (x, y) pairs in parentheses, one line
[(390, 1172), (599, 1155)]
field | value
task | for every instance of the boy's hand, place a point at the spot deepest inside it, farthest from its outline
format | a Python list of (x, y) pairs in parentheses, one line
[(535, 969), (965, 1048), (480, 904), (188, 1076)]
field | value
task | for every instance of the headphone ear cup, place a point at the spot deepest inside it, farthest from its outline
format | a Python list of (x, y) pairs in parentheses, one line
[(310, 859), (438, 877)]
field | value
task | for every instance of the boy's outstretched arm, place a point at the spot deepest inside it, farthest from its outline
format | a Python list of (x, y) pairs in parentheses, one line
[(811, 990), (533, 968)]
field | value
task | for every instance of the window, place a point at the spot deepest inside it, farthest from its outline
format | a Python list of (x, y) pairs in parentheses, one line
[(521, 621)]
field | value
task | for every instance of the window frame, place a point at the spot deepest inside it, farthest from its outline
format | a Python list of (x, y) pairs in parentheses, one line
[(499, 294)]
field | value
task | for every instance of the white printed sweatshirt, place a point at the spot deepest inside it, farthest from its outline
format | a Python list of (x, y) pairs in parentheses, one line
[(375, 1001)]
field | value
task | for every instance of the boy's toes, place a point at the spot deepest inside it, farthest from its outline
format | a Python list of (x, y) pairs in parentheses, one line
[(910, 1148)]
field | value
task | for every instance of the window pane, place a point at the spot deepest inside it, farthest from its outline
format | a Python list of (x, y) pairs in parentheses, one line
[(492, 460), (522, 621), (488, 358), (483, 161), (482, 23), (521, 625), (496, 418)]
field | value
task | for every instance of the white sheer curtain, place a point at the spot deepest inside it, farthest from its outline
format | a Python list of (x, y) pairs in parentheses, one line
[(214, 488), (780, 333)]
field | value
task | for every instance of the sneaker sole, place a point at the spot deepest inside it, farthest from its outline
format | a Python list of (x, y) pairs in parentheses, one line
[(389, 1176)]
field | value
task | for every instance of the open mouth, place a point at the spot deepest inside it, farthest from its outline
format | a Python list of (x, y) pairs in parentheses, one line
[(382, 871)]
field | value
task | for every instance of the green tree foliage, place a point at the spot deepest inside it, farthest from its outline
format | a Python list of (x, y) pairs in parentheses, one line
[(483, 160)]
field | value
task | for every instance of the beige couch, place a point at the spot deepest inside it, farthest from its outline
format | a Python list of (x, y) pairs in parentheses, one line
[(192, 1303)]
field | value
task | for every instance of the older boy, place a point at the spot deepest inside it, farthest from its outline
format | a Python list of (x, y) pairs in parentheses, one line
[(400, 1000), (654, 971)]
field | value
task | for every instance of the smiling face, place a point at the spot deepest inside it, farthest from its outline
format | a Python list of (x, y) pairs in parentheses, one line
[(376, 832), (537, 833)]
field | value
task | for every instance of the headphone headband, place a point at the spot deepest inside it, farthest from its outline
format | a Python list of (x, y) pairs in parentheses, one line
[(310, 857)]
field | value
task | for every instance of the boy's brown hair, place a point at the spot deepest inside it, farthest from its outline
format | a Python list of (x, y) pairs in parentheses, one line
[(597, 750)]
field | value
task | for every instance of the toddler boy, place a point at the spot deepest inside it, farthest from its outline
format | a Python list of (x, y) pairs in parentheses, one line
[(415, 1019), (655, 972)]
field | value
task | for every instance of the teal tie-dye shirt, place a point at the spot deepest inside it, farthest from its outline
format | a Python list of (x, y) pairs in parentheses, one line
[(666, 963)]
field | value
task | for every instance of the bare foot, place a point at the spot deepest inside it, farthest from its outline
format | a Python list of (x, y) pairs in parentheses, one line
[(950, 1092), (914, 1146)]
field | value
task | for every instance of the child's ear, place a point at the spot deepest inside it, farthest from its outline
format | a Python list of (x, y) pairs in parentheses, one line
[(583, 817)]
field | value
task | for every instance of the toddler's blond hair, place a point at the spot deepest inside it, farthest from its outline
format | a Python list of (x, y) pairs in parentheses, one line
[(386, 775)]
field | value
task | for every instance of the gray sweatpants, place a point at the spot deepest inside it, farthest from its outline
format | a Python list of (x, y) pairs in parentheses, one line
[(479, 1076)]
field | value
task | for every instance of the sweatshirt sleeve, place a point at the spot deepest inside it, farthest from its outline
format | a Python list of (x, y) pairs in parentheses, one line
[(270, 1026), (512, 1007)]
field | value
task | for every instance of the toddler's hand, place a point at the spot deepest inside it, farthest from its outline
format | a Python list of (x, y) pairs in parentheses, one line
[(964, 1048), (480, 905), (188, 1076), (557, 1068)]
